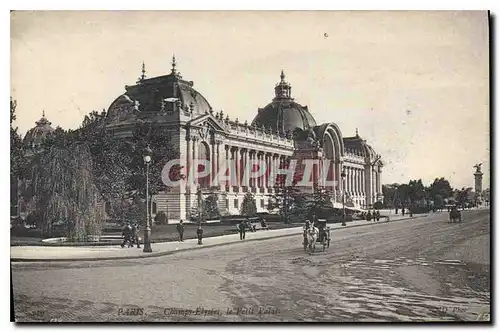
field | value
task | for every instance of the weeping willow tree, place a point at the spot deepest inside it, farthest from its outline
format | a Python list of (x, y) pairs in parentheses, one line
[(65, 192)]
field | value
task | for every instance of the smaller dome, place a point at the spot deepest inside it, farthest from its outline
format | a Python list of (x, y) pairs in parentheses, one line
[(37, 134)]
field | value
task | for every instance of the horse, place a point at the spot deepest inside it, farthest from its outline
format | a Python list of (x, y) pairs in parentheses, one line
[(312, 235), (455, 216)]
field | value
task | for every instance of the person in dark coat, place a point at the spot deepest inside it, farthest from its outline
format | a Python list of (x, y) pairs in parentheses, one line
[(135, 234), (242, 229), (369, 216), (199, 234), (127, 235), (377, 215), (180, 230)]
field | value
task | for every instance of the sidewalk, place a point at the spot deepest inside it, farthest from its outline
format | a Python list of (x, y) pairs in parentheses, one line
[(61, 254)]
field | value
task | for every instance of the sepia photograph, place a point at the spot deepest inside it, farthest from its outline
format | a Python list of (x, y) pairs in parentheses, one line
[(209, 166)]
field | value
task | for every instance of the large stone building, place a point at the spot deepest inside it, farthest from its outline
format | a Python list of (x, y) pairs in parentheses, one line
[(281, 130)]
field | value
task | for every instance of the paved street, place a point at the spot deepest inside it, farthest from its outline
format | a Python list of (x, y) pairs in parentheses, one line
[(416, 270)]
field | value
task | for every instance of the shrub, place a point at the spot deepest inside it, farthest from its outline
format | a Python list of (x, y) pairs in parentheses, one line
[(161, 218)]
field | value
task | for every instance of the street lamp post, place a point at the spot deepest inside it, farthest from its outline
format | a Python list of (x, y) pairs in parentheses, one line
[(147, 230), (200, 207), (343, 196)]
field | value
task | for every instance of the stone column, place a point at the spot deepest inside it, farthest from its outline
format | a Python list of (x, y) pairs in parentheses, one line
[(374, 186), (351, 181), (275, 167), (363, 185), (227, 165), (237, 164), (358, 173), (195, 161), (260, 158), (212, 163), (346, 169), (217, 163), (189, 155), (242, 163)]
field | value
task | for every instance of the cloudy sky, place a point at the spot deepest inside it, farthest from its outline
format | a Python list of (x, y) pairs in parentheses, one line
[(415, 84)]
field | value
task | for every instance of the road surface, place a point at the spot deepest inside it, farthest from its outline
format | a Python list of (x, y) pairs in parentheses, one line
[(416, 270)]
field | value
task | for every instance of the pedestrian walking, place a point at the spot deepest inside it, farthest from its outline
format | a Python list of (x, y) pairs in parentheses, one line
[(127, 235), (242, 229), (180, 230), (135, 234), (377, 215), (199, 234)]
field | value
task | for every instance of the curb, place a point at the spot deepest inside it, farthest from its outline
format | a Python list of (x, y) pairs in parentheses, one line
[(167, 253)]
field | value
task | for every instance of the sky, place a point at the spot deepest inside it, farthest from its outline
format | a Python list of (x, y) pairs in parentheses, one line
[(414, 84)]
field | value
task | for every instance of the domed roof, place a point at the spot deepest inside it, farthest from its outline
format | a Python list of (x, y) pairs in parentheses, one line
[(37, 134), (283, 114), (153, 95)]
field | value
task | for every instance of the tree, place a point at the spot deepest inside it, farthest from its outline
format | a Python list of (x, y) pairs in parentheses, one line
[(161, 218), (110, 157), (248, 206), (287, 201), (439, 202), (319, 201), (210, 206), (160, 142), (464, 197), (18, 162), (65, 191), (390, 195), (440, 187)]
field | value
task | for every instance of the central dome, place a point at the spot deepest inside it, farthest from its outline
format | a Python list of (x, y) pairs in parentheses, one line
[(283, 114)]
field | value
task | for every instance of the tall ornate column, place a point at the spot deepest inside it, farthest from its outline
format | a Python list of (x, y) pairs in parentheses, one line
[(237, 165), (250, 157), (212, 162), (228, 165), (260, 162), (351, 181), (189, 155), (275, 168), (363, 187), (374, 183), (195, 160), (358, 173), (217, 162)]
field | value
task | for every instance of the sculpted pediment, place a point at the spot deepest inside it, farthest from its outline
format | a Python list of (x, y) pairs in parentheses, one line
[(205, 124)]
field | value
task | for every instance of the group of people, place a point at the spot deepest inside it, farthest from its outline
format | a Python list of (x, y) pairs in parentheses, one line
[(180, 230), (369, 216), (130, 235)]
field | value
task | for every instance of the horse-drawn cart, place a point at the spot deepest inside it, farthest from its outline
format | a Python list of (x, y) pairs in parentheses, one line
[(317, 233), (455, 215)]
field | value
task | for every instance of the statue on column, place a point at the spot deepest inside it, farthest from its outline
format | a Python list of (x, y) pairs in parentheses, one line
[(478, 167)]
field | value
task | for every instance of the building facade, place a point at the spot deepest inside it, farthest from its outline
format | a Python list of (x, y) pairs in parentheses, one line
[(280, 131)]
